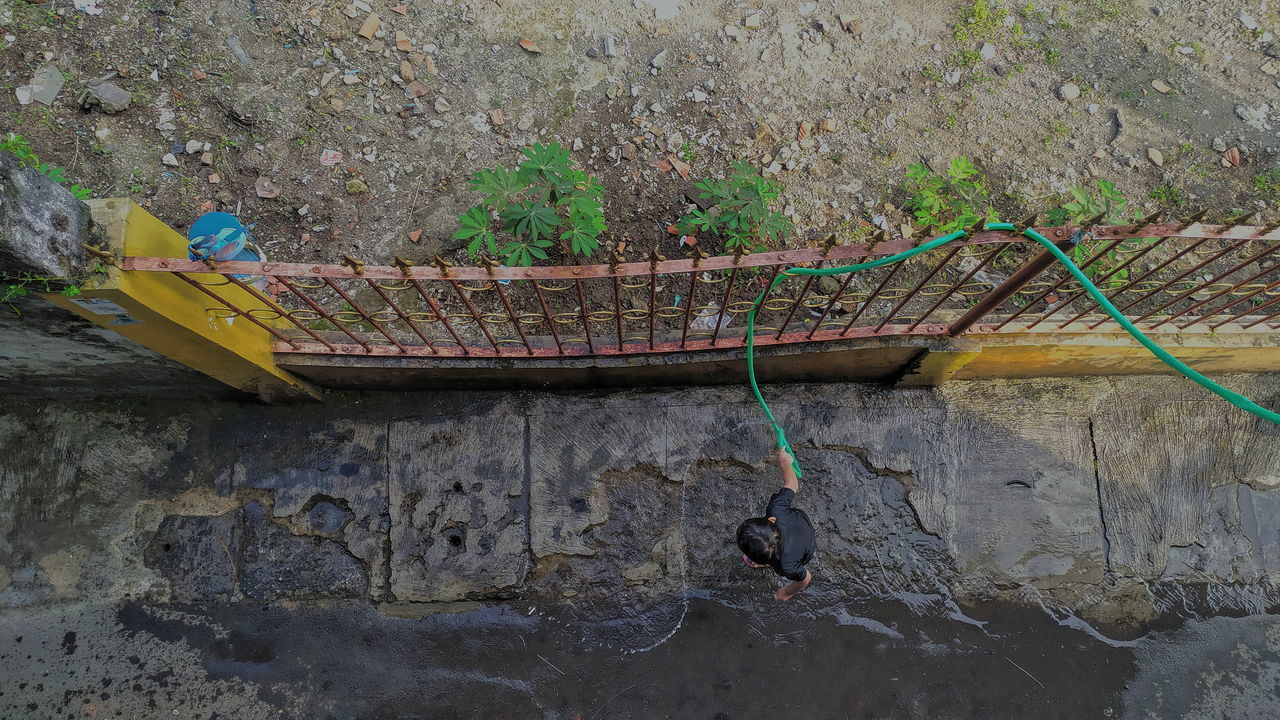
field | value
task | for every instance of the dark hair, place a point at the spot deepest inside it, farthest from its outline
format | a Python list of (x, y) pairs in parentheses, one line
[(759, 540)]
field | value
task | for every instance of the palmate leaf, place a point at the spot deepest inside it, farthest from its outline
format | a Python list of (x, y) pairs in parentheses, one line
[(544, 160), (499, 186), (473, 225), (532, 219)]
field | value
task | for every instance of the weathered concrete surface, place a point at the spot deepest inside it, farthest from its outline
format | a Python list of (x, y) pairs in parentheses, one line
[(42, 225), (1070, 491), (966, 535)]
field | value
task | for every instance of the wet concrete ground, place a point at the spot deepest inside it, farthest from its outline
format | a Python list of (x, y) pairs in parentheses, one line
[(855, 659)]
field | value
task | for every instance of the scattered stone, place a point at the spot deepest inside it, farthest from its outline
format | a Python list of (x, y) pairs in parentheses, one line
[(400, 9), (416, 90), (629, 151), (530, 46), (402, 42), (593, 53), (166, 124), (850, 24), (45, 85), (987, 51), (1232, 157), (88, 7), (805, 130), (415, 236), (808, 8), (206, 158), (1069, 91), (1247, 21), (1117, 126), (495, 117), (199, 74), (1161, 86), (1270, 67), (192, 147), (1219, 145), (952, 77), (429, 63), (754, 20), (610, 47), (23, 93), (828, 125), (330, 157), (442, 106), (356, 186), (233, 42), (265, 188), (304, 210), (659, 60), (370, 26), (1254, 117), (406, 71), (1093, 108), (106, 97), (170, 159), (214, 179), (734, 32), (578, 144), (1156, 157), (524, 123), (698, 96)]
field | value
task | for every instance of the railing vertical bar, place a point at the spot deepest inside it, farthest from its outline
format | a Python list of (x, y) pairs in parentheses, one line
[(546, 312), (991, 256), (323, 313), (1179, 276), (1215, 296), (1254, 309), (476, 316), (511, 314), (403, 317), (1268, 318), (617, 311), (1120, 291), (724, 305), (280, 309), (688, 311), (363, 313), (916, 290), (1048, 291), (582, 311), (871, 298), (808, 283), (435, 308), (848, 277), (1206, 283), (234, 309), (1114, 271), (1222, 308), (653, 305)]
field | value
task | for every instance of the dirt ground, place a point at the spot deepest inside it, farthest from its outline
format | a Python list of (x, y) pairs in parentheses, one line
[(1185, 78)]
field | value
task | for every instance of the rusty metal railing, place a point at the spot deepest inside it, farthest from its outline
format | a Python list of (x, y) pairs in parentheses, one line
[(1170, 277)]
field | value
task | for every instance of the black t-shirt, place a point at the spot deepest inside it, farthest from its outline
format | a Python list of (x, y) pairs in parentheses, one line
[(798, 538)]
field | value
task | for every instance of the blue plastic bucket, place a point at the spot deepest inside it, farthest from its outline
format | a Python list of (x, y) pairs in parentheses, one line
[(220, 236)]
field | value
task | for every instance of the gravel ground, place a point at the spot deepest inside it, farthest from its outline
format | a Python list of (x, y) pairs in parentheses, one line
[(228, 98)]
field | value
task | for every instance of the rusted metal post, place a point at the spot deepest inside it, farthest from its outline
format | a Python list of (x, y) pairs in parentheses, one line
[(1010, 287)]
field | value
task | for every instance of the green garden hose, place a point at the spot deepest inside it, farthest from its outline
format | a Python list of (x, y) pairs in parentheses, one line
[(1234, 398)]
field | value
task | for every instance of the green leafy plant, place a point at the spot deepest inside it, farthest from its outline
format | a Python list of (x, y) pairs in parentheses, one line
[(740, 210), (948, 202), (1108, 204), (20, 148), (13, 287), (1267, 185), (544, 196), (979, 21)]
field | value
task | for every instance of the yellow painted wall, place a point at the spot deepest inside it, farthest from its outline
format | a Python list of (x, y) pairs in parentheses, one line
[(173, 318)]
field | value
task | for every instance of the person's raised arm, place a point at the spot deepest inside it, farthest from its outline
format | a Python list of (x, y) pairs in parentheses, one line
[(786, 464)]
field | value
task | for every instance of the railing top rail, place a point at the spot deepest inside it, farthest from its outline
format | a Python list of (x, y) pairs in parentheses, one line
[(680, 265)]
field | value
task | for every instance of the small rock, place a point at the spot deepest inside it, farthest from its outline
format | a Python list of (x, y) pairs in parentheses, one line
[(987, 51), (429, 63), (403, 44), (808, 8), (495, 117), (610, 47), (530, 46), (193, 146), (753, 20), (106, 97), (350, 79), (1247, 21), (659, 60), (828, 125), (698, 96), (1161, 86), (442, 106), (1254, 117), (170, 159), (330, 157), (578, 144), (265, 188), (406, 71), (524, 123), (850, 24), (805, 130), (1069, 91), (415, 90), (1232, 157), (206, 158), (370, 26), (952, 77), (593, 53), (1219, 144), (46, 84), (356, 186), (1270, 67), (1093, 108), (1156, 157), (629, 151)]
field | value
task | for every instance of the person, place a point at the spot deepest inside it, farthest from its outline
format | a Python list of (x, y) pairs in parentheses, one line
[(784, 539)]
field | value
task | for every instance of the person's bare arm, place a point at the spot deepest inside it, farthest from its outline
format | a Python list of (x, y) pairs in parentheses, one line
[(787, 592), (789, 479)]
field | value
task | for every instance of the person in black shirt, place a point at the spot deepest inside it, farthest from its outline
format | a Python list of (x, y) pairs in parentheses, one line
[(782, 540)]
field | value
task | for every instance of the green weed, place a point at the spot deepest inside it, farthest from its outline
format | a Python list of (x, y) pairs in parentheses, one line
[(741, 210)]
